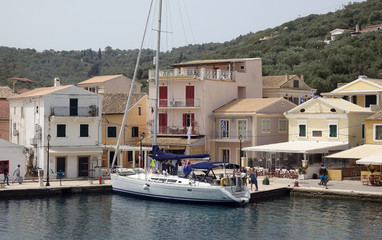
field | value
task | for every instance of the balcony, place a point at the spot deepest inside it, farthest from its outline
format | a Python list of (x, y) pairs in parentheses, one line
[(177, 130), (179, 103), (231, 136), (75, 112), (202, 73)]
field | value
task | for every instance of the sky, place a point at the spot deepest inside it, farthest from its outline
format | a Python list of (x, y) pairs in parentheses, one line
[(96, 24)]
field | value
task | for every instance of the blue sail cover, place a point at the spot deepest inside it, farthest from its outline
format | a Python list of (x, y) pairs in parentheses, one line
[(208, 166), (159, 155)]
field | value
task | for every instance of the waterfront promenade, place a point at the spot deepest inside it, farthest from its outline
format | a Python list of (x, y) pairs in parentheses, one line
[(277, 187)]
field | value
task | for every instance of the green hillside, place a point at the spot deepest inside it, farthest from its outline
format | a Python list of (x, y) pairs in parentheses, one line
[(296, 47)]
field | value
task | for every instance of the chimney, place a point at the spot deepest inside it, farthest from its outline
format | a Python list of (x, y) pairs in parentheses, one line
[(357, 28), (287, 76), (302, 77), (56, 82)]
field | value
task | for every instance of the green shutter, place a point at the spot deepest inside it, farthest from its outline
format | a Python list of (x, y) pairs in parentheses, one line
[(333, 130), (302, 130)]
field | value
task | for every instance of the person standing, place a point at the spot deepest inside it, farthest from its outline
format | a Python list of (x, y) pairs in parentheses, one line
[(17, 172), (6, 177), (253, 179)]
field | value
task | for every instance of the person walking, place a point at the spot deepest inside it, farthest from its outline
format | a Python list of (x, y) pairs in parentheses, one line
[(6, 177), (253, 179), (17, 172)]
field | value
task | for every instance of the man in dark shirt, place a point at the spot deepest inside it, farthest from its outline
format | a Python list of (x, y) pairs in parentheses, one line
[(6, 175), (323, 175)]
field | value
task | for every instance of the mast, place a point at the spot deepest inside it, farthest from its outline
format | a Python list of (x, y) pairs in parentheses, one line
[(157, 76)]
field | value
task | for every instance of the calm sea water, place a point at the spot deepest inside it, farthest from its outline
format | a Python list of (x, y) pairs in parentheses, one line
[(122, 217)]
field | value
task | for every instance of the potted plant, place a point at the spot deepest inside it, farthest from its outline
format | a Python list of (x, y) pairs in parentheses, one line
[(371, 177), (302, 173), (92, 110), (266, 181)]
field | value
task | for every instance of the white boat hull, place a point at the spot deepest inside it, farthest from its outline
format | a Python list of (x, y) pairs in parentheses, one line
[(181, 190)]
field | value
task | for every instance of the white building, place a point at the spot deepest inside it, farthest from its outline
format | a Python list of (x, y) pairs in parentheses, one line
[(70, 116), (11, 156)]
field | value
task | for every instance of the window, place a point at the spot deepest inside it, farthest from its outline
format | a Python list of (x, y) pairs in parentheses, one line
[(296, 100), (22, 112), (224, 128), (283, 125), (84, 130), (302, 130), (134, 131), (333, 130), (265, 126), (370, 99), (378, 132), (61, 130), (354, 99), (111, 132), (363, 131), (316, 133), (242, 128), (139, 111), (296, 84), (3, 165), (225, 155)]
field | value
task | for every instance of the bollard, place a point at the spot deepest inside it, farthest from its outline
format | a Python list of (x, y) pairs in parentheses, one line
[(296, 183), (100, 179)]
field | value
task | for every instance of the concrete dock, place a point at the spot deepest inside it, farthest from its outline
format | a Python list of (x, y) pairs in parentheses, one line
[(278, 187)]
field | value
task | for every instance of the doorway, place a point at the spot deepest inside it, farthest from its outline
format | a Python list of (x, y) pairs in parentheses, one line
[(60, 164), (83, 166)]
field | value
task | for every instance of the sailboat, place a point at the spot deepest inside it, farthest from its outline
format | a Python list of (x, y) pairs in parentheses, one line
[(209, 182)]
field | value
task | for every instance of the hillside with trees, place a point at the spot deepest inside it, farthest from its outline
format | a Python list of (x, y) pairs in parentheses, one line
[(296, 47)]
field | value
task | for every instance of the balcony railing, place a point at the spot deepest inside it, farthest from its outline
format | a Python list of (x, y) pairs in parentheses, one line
[(177, 130), (179, 102), (232, 135), (74, 111), (198, 72)]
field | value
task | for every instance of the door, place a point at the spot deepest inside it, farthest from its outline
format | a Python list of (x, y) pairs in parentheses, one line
[(242, 128), (162, 123), (163, 96), (190, 96), (60, 164), (188, 119), (83, 168), (73, 107)]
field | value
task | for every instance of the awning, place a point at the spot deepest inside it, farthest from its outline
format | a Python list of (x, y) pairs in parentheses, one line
[(75, 150), (180, 142), (127, 148), (358, 152), (306, 147), (375, 159)]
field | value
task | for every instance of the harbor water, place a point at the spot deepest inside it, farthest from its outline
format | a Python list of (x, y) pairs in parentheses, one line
[(116, 216)]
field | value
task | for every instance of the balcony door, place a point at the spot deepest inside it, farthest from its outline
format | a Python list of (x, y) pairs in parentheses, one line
[(163, 96), (83, 166), (73, 107), (190, 96), (162, 123), (188, 119)]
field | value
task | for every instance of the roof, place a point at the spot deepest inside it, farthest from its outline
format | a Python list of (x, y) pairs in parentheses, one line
[(358, 152), (37, 92), (4, 109), (100, 79), (23, 90), (6, 92), (247, 105), (306, 147), (7, 144), (276, 81), (115, 103), (376, 116), (20, 79), (213, 61), (344, 88)]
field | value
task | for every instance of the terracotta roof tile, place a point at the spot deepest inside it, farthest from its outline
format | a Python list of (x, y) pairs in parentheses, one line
[(247, 105), (116, 103), (100, 79), (376, 116), (6, 92), (40, 92)]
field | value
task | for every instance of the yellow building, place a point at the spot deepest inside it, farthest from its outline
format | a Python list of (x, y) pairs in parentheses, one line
[(290, 87), (364, 92), (373, 129), (135, 128)]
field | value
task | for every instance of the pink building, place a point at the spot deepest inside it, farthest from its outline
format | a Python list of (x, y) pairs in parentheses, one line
[(189, 93)]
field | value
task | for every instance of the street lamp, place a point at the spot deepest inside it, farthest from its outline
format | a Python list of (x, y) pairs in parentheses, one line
[(240, 138), (140, 150), (47, 173)]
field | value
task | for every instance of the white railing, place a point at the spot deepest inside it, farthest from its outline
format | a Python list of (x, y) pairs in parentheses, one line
[(202, 73), (179, 102)]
